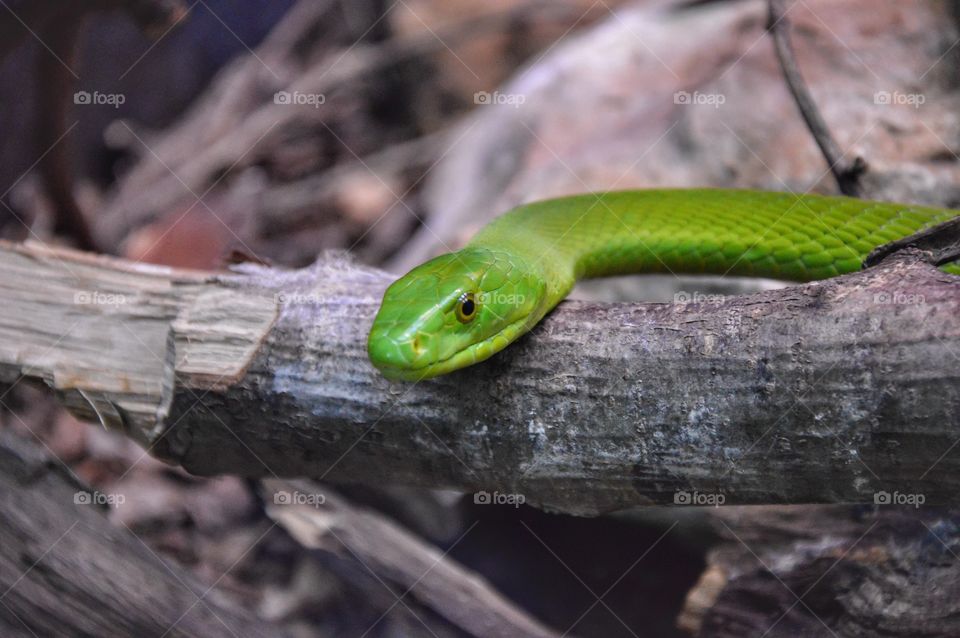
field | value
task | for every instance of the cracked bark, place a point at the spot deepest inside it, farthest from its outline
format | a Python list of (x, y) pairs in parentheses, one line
[(825, 392)]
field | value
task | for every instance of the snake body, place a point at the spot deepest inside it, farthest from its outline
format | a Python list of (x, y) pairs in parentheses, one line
[(460, 308)]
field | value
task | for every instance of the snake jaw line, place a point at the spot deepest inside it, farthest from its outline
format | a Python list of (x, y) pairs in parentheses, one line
[(481, 351)]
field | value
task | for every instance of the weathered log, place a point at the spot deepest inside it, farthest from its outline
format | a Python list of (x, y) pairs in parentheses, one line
[(826, 392), (66, 571), (320, 519), (829, 571)]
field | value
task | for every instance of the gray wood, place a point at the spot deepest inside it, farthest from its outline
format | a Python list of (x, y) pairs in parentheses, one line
[(829, 571), (395, 555), (66, 571), (827, 392)]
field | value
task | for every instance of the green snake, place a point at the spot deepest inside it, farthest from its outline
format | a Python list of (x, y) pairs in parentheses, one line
[(462, 307)]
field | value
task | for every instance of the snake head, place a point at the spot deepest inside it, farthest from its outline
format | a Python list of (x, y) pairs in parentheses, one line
[(453, 311)]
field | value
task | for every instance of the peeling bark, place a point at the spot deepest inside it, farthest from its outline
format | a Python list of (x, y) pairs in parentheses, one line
[(826, 392)]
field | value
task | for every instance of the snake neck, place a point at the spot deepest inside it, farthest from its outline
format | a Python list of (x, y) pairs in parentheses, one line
[(693, 231), (534, 250)]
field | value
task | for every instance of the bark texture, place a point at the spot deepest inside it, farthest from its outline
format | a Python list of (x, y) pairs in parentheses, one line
[(392, 554), (829, 571), (827, 392), (59, 559)]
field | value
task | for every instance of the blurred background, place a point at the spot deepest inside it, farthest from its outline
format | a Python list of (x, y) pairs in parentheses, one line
[(199, 134)]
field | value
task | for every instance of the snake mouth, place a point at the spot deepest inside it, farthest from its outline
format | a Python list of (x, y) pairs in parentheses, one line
[(474, 353)]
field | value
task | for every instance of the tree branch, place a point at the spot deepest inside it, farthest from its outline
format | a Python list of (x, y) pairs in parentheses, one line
[(940, 242), (396, 555), (230, 128), (846, 172), (66, 571), (816, 570), (826, 392)]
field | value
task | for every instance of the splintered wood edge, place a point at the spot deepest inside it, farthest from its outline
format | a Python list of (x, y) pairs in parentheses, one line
[(115, 338), (217, 335)]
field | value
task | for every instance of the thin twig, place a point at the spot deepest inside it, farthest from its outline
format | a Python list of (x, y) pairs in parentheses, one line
[(846, 171)]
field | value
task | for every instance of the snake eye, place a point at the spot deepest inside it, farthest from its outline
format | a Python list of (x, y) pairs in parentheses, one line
[(467, 307)]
